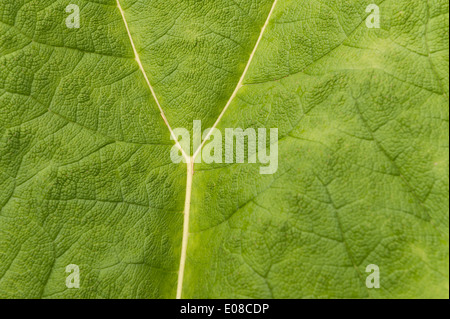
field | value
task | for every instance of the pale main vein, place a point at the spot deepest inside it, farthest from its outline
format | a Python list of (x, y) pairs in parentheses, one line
[(190, 163), (187, 206), (190, 160)]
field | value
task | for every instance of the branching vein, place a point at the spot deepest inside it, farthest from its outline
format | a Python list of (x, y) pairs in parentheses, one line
[(190, 160)]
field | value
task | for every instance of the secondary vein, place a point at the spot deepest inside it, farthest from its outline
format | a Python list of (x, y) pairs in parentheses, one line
[(138, 60), (241, 80)]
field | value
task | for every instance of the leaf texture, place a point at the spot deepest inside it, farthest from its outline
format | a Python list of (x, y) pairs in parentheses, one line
[(86, 176)]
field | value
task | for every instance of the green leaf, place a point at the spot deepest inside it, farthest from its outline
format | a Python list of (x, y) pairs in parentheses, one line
[(86, 177)]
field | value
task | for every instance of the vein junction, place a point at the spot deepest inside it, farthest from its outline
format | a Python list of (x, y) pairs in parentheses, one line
[(190, 160)]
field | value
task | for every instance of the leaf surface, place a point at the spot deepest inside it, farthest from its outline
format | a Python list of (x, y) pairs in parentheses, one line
[(86, 176)]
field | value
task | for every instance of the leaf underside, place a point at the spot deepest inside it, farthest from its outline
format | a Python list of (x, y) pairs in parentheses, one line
[(86, 176)]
